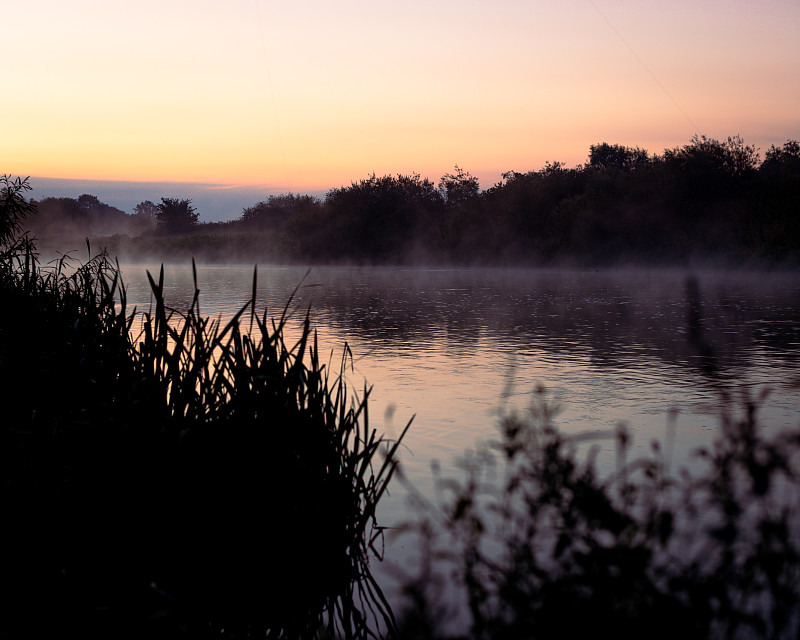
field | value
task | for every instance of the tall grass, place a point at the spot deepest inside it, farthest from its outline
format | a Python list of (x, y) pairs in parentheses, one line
[(167, 474), (270, 441)]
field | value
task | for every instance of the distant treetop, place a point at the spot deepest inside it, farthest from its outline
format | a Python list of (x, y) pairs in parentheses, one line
[(175, 215)]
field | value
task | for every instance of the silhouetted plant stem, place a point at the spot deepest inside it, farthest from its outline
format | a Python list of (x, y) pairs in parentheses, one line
[(556, 549), (198, 476)]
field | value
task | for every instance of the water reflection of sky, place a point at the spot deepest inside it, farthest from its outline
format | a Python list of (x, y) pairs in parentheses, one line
[(450, 347), (611, 347)]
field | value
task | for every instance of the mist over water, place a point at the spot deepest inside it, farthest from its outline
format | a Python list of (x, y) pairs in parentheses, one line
[(453, 347), (447, 344)]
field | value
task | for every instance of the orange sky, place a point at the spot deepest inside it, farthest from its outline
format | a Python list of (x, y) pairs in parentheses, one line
[(313, 95)]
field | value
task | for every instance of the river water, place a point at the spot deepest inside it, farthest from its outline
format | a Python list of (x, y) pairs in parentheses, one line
[(451, 347)]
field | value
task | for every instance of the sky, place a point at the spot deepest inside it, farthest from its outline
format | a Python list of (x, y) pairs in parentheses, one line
[(230, 102)]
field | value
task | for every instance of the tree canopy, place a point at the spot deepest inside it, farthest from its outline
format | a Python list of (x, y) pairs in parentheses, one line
[(458, 188), (276, 209), (707, 200), (175, 215)]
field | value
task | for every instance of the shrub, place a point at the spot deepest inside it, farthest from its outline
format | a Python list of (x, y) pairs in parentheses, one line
[(557, 550)]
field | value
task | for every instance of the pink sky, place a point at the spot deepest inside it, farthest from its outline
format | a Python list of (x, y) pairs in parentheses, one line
[(312, 95)]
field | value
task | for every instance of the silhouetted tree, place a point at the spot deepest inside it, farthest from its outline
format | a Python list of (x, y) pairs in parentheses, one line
[(615, 156), (530, 208), (458, 188), (77, 217), (146, 209), (88, 203), (276, 210), (773, 227), (175, 215), (381, 218), (101, 217), (145, 217), (708, 199), (64, 208), (705, 156), (785, 159)]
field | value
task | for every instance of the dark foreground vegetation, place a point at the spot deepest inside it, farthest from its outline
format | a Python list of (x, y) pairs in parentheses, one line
[(191, 479), (535, 542), (176, 479), (708, 202)]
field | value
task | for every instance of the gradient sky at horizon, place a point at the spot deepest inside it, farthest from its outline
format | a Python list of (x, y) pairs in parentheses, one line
[(309, 96)]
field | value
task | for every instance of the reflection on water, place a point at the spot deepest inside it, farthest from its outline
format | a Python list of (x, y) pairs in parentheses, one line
[(611, 346), (453, 346)]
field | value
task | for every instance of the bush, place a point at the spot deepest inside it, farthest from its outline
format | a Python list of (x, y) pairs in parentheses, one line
[(559, 551)]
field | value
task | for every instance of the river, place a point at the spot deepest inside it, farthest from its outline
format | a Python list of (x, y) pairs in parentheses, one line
[(451, 347)]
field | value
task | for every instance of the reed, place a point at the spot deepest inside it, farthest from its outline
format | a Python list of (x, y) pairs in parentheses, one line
[(167, 474), (267, 440)]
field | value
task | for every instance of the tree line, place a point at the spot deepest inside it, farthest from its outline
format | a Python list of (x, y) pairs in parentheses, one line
[(706, 200), (87, 214)]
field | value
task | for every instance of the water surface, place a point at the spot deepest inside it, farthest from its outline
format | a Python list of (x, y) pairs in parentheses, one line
[(453, 347), (448, 345)]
